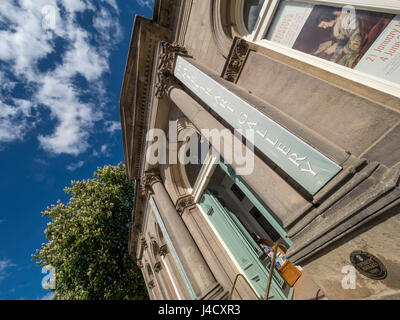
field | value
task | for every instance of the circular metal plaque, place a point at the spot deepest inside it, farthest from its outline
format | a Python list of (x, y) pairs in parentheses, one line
[(368, 265)]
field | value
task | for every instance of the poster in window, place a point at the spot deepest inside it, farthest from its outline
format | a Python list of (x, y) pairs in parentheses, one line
[(288, 22), (348, 37), (383, 58)]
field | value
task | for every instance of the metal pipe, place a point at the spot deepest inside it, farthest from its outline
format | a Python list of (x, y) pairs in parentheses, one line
[(271, 270), (234, 285)]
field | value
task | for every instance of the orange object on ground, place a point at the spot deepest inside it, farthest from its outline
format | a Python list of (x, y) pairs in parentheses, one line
[(287, 270), (290, 273)]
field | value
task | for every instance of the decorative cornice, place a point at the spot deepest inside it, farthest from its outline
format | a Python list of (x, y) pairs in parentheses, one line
[(236, 60), (183, 203), (157, 267), (163, 250), (166, 64), (137, 95), (163, 83), (149, 178), (374, 192)]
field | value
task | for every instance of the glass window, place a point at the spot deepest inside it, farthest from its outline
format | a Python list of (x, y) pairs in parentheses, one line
[(237, 192), (265, 224), (358, 39), (251, 11), (233, 199), (362, 40)]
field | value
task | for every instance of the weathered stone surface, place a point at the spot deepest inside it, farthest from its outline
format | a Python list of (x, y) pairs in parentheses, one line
[(381, 240), (351, 122), (387, 149)]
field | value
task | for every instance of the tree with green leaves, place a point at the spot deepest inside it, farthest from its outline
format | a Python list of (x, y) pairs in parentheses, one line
[(88, 240)]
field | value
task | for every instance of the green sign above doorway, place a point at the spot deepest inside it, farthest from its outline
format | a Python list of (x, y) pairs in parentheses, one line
[(306, 165)]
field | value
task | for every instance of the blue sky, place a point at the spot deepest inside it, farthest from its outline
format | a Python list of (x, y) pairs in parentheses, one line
[(61, 71)]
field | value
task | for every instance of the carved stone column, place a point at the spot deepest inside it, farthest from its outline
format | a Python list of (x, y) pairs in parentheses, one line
[(203, 119), (160, 275), (195, 267)]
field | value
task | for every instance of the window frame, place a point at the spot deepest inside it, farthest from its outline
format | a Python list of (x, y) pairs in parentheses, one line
[(267, 15)]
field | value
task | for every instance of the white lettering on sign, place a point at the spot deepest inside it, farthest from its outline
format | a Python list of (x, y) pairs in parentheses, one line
[(243, 119), (302, 162)]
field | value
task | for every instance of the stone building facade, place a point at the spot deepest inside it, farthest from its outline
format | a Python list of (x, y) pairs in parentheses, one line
[(325, 148)]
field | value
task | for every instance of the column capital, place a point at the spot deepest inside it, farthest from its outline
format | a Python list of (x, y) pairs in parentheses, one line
[(163, 84), (166, 65), (149, 178), (184, 202)]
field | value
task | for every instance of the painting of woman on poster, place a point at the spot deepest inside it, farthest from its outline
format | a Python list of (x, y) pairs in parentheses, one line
[(339, 35)]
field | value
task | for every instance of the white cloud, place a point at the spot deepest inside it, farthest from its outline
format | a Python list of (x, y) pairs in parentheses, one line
[(103, 22), (74, 5), (112, 3), (146, 3), (104, 148), (112, 126), (74, 166), (48, 296), (12, 123), (103, 151), (4, 265), (41, 161), (25, 43)]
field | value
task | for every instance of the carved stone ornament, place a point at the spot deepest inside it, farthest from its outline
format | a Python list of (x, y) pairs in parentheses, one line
[(151, 284), (157, 266), (183, 203), (143, 243), (149, 178), (237, 57), (166, 64), (139, 264), (163, 250)]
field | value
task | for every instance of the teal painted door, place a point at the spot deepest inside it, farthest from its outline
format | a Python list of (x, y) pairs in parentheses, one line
[(245, 250)]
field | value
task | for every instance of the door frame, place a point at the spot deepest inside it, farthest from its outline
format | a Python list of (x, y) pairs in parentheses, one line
[(265, 212)]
